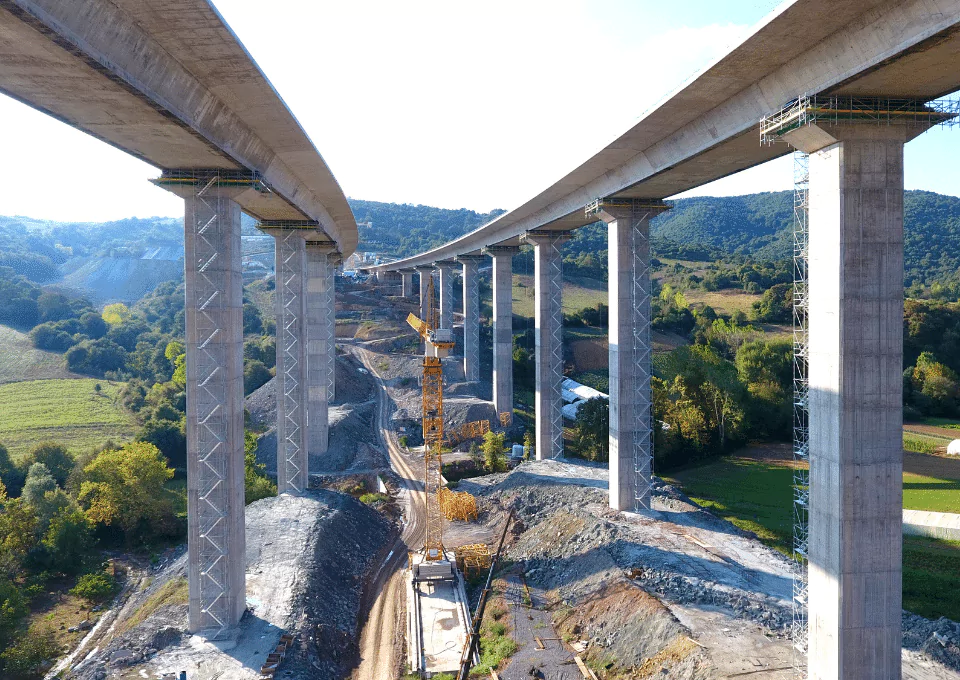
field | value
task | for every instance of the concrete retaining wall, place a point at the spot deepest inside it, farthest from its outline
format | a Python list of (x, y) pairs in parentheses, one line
[(944, 525)]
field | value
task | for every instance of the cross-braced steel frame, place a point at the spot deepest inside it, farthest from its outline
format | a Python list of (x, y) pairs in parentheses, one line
[(211, 395), (801, 414), (642, 403), (471, 318), (550, 363), (290, 322), (328, 324)]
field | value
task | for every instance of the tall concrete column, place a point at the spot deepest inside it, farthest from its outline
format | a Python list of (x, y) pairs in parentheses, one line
[(855, 323), (425, 271), (214, 414), (292, 448), (334, 260), (631, 416), (320, 344), (447, 273), (471, 316), (548, 310), (503, 327), (406, 283)]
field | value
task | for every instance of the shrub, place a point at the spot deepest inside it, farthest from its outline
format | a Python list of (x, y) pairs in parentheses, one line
[(255, 375), (168, 437), (403, 440), (30, 655), (13, 608), (373, 498), (97, 587), (56, 457)]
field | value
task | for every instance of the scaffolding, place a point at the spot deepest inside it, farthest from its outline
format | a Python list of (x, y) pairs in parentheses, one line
[(291, 262), (801, 391), (835, 110)]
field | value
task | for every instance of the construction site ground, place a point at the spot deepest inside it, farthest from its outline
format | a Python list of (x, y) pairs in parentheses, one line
[(673, 593)]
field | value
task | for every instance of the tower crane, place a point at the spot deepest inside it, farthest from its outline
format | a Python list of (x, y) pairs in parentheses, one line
[(438, 343)]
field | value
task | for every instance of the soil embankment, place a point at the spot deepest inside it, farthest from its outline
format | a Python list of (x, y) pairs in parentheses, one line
[(307, 560)]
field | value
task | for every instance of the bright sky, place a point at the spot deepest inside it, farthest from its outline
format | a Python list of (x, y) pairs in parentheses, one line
[(450, 104)]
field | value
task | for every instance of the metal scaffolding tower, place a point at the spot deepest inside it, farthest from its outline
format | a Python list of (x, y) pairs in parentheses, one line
[(801, 388)]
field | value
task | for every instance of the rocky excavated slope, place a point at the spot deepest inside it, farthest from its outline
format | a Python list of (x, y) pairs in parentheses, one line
[(676, 592), (307, 561)]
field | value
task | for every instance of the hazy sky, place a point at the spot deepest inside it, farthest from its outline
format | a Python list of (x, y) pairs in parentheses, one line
[(451, 104)]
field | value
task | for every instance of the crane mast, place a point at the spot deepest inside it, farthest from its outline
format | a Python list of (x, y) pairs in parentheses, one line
[(438, 343)]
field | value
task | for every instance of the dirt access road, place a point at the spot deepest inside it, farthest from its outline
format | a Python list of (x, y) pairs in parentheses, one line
[(383, 631)]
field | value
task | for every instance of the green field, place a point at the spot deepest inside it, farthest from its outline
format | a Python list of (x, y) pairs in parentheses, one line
[(756, 496), (20, 361), (929, 493), (575, 297), (70, 412)]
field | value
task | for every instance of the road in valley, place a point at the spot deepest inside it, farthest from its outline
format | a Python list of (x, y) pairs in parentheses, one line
[(383, 633)]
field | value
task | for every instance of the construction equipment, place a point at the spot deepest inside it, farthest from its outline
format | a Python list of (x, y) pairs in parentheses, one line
[(457, 504), (473, 559), (467, 431), (438, 343)]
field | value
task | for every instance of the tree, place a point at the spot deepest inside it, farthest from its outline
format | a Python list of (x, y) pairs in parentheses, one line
[(116, 313), (31, 655), (11, 476), (527, 445), (48, 337), (256, 483), (168, 437), (495, 460), (252, 320), (126, 488), (255, 375), (96, 587), (56, 457), (13, 609), (94, 326), (69, 540), (39, 481), (592, 429), (18, 523)]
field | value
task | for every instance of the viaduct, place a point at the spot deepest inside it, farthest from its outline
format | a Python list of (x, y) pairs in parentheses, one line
[(168, 82), (862, 74)]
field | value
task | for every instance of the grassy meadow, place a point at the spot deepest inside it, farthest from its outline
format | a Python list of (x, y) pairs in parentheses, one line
[(70, 412), (756, 495), (20, 361)]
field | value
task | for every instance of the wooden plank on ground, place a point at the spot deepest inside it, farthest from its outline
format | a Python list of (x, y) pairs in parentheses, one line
[(583, 668)]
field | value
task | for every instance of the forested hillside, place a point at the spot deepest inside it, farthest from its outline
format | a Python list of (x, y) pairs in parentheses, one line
[(404, 229)]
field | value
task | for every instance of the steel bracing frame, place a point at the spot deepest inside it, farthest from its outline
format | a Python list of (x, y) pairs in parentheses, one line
[(801, 414), (642, 404), (328, 324), (471, 320), (292, 473), (212, 404), (548, 255)]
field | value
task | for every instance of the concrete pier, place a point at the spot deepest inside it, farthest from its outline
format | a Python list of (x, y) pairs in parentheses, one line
[(320, 329), (471, 316), (214, 415), (548, 294), (292, 457), (447, 274), (503, 326), (856, 355), (406, 283), (631, 417)]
